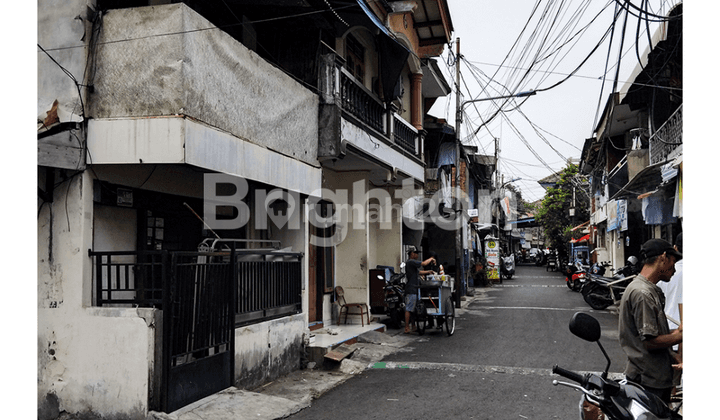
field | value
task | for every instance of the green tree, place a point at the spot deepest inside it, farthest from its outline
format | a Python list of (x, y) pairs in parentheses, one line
[(553, 213)]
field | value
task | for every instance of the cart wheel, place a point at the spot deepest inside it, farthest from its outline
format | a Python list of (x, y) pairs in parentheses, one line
[(449, 317), (421, 317)]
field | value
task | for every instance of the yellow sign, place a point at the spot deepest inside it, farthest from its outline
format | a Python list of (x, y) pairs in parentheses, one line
[(492, 259)]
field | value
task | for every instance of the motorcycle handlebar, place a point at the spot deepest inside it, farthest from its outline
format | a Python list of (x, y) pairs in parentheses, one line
[(576, 377)]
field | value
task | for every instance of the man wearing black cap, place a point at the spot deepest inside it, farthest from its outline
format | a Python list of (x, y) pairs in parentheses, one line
[(644, 333), (412, 269)]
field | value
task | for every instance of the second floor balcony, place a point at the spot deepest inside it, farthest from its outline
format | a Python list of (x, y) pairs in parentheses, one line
[(363, 105), (666, 141), (171, 87), (351, 113)]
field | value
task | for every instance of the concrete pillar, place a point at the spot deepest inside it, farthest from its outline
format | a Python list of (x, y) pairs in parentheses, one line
[(416, 112)]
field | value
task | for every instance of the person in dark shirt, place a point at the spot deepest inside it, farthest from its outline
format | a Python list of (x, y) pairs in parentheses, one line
[(643, 329), (413, 270)]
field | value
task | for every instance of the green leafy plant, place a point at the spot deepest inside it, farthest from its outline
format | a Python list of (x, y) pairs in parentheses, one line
[(553, 213)]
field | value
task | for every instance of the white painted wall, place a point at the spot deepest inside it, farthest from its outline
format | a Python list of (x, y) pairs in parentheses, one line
[(97, 359), (385, 243), (351, 255), (174, 140)]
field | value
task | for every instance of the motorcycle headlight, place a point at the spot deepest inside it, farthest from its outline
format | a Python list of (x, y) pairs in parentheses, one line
[(638, 410)]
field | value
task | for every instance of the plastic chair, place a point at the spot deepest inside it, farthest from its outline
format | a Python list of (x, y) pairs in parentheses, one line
[(344, 305)]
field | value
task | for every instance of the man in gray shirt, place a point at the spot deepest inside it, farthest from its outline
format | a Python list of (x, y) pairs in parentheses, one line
[(644, 333)]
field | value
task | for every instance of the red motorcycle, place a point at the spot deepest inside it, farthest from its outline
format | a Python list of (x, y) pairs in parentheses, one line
[(575, 276)]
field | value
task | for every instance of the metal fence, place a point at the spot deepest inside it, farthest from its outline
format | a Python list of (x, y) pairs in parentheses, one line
[(667, 138), (269, 284), (358, 101), (405, 135)]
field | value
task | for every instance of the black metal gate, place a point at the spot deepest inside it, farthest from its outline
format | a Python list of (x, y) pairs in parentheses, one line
[(198, 326), (203, 297)]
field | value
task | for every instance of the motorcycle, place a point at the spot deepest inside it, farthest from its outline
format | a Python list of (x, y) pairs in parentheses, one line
[(575, 276), (395, 297), (618, 400), (600, 292), (507, 267)]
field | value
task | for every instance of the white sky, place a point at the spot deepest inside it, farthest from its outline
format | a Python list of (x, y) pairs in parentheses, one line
[(565, 115)]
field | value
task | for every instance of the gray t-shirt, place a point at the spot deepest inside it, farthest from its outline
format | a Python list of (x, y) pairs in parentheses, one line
[(642, 317)]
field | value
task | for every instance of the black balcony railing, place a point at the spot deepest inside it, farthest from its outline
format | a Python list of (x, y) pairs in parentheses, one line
[(269, 282), (129, 278), (360, 103), (667, 138), (404, 135)]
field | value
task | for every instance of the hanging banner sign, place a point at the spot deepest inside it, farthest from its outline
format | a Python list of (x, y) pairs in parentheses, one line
[(492, 256), (617, 215)]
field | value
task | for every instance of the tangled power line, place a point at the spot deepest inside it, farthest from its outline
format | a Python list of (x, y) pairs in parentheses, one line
[(536, 58)]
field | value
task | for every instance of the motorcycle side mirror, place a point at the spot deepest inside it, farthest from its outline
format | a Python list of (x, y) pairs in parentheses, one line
[(381, 277), (588, 328), (585, 327)]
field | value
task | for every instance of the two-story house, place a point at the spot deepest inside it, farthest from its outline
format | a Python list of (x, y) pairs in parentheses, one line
[(189, 156), (634, 160)]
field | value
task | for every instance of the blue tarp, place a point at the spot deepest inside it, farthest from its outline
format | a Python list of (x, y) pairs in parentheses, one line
[(657, 210)]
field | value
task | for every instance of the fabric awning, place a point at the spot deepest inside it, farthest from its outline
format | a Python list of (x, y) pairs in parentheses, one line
[(582, 239)]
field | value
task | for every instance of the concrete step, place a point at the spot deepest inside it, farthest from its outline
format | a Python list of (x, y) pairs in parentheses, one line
[(330, 337)]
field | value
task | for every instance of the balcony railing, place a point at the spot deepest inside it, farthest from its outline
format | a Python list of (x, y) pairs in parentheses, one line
[(269, 282), (405, 135), (667, 138), (358, 101), (339, 86)]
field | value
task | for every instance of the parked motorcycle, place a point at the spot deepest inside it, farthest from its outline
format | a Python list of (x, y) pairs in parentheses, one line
[(575, 274), (507, 267), (600, 292), (618, 400), (395, 297)]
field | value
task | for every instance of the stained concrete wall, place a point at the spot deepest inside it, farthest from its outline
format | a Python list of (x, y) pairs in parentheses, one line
[(95, 361), (63, 29), (164, 61), (268, 350)]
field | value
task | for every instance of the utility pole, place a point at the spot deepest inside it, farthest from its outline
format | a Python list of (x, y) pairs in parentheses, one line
[(459, 106), (497, 190), (458, 122)]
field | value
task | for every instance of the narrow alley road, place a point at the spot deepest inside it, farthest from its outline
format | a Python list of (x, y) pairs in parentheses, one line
[(496, 365)]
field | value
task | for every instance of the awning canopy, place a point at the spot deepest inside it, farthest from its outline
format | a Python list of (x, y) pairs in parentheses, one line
[(582, 239), (484, 226), (645, 181), (580, 225), (520, 221)]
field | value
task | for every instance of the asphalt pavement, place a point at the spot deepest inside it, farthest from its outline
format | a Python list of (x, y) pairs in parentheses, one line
[(497, 365)]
